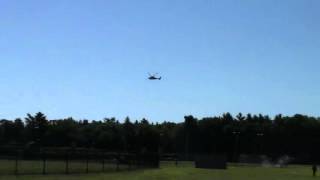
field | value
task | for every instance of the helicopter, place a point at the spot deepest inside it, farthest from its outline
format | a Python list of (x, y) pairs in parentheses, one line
[(154, 77)]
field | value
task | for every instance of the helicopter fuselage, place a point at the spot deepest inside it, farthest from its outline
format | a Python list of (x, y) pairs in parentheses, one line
[(154, 78)]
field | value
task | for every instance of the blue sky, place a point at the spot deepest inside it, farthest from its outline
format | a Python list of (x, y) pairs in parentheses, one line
[(90, 59)]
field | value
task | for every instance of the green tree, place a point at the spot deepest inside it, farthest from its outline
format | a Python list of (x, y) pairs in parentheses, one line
[(37, 126)]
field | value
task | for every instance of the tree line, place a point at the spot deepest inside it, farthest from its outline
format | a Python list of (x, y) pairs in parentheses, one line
[(297, 135)]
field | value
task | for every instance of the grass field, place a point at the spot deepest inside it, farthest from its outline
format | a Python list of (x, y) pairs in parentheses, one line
[(185, 171)]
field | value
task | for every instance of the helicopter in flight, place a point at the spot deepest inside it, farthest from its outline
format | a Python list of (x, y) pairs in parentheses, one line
[(154, 77)]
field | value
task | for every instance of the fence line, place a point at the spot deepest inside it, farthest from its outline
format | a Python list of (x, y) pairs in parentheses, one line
[(69, 161)]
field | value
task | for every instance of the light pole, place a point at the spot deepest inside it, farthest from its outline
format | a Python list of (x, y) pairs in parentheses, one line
[(236, 144)]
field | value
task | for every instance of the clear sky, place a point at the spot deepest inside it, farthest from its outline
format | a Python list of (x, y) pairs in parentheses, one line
[(90, 58)]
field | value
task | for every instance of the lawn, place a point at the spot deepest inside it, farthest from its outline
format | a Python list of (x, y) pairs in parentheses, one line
[(186, 171)]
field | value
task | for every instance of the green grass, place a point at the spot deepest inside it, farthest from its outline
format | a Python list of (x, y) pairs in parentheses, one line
[(185, 171)]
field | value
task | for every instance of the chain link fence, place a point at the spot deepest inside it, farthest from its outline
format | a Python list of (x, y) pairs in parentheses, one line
[(71, 161)]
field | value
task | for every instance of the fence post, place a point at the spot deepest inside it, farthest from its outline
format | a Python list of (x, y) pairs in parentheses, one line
[(87, 161), (44, 159), (67, 162), (103, 161), (16, 163), (176, 160), (129, 162), (117, 161)]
